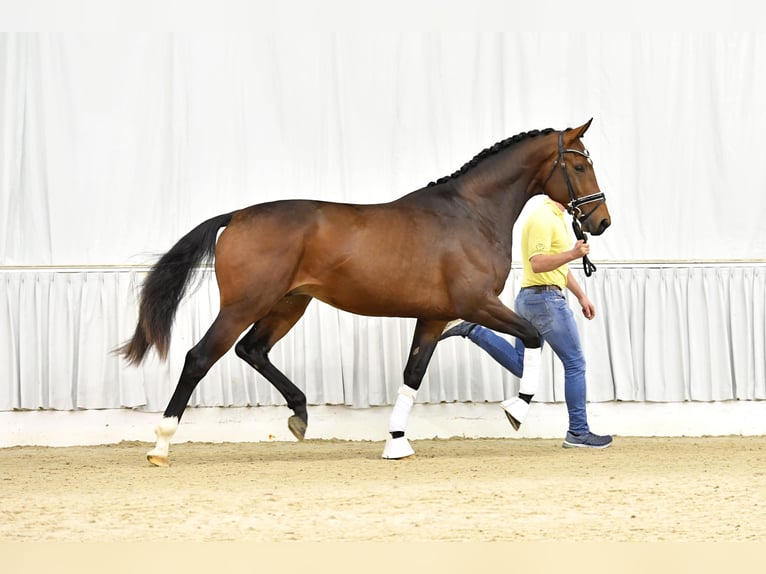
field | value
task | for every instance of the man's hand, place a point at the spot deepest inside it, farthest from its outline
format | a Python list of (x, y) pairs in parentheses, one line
[(588, 309), (580, 249)]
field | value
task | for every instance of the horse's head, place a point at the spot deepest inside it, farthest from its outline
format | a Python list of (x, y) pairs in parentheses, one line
[(572, 182)]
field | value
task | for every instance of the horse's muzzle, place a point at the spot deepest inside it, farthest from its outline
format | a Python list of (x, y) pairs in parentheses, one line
[(606, 222)]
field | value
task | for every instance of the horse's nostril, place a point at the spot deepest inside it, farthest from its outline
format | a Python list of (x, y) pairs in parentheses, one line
[(602, 226)]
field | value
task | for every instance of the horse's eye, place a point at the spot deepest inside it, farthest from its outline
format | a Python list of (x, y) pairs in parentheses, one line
[(580, 168)]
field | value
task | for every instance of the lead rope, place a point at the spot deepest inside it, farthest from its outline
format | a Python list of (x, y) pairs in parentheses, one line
[(587, 266)]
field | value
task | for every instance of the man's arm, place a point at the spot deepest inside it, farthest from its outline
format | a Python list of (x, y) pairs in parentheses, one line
[(543, 263), (588, 309)]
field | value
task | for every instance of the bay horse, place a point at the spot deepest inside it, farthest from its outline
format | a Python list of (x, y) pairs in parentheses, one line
[(437, 254)]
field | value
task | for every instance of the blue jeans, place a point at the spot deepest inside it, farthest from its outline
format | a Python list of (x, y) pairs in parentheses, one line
[(549, 312), (509, 357)]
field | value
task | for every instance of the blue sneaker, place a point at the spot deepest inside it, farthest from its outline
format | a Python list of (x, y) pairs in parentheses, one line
[(458, 327), (586, 440)]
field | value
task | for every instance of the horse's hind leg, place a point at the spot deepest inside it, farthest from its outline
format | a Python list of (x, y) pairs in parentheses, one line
[(423, 344), (219, 338), (254, 349)]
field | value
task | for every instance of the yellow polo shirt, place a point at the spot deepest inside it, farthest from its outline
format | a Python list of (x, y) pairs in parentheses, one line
[(545, 232)]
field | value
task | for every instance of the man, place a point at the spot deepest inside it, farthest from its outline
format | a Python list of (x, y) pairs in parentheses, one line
[(544, 246)]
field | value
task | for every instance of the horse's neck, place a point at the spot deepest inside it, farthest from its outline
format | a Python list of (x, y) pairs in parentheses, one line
[(498, 202), (502, 185)]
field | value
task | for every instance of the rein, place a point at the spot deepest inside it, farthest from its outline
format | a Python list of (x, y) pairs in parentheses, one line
[(573, 208)]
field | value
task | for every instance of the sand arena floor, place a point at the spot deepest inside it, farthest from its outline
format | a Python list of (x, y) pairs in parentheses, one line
[(477, 490)]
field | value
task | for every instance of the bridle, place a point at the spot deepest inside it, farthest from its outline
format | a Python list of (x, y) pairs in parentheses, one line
[(573, 207)]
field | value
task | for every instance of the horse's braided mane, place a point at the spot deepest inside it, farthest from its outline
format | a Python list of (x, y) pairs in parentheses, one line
[(490, 151)]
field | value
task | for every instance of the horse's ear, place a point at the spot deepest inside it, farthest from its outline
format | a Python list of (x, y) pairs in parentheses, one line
[(583, 128)]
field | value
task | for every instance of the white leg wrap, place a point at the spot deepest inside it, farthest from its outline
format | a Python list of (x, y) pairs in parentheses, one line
[(530, 377), (402, 407), (397, 448)]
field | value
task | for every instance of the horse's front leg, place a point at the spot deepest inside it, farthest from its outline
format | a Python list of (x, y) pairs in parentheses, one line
[(423, 344), (494, 315)]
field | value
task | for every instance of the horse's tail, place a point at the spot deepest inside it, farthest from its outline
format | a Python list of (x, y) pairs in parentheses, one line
[(165, 286)]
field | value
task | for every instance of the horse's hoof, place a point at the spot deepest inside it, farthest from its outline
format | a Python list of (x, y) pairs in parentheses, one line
[(158, 459), (297, 426), (398, 449)]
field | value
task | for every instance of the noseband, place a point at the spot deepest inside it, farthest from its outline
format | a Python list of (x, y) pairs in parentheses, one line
[(573, 208)]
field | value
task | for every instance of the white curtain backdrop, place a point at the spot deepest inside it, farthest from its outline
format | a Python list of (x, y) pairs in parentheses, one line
[(113, 146)]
